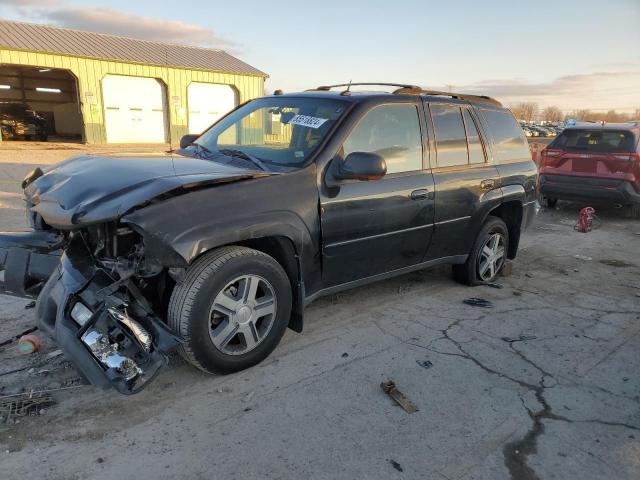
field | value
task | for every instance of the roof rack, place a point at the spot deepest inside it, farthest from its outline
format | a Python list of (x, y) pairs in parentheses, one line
[(460, 96), (326, 88), (405, 89)]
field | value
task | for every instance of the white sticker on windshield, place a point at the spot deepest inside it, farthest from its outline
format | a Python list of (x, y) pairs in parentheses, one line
[(307, 121)]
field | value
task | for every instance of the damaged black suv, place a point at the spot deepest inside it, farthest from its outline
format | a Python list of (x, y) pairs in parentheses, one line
[(216, 248)]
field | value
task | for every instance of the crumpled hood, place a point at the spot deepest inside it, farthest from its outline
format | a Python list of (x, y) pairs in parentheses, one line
[(94, 189)]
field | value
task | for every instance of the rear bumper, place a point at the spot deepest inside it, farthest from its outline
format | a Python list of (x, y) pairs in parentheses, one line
[(569, 187)]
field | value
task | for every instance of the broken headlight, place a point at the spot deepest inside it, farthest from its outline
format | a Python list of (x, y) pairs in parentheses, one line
[(107, 353)]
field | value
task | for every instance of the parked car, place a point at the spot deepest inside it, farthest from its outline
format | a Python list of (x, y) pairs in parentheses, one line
[(217, 248), (18, 120), (593, 162)]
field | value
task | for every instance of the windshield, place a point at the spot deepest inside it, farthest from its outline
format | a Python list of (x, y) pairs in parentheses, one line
[(595, 140), (282, 131)]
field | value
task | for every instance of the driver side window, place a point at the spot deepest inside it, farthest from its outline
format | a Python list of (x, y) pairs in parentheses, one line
[(392, 131)]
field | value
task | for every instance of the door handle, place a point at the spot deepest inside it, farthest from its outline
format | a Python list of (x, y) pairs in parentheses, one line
[(487, 184), (420, 194)]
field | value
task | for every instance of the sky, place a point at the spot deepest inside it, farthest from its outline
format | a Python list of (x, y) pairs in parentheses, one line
[(569, 53)]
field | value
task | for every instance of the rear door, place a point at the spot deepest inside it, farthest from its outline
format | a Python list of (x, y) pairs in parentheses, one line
[(373, 227), (465, 181)]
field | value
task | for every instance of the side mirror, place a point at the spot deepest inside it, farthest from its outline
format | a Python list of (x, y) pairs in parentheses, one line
[(362, 166), (187, 140)]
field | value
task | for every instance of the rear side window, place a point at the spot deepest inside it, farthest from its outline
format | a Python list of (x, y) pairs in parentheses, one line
[(476, 152), (451, 141), (595, 140), (510, 143), (392, 131)]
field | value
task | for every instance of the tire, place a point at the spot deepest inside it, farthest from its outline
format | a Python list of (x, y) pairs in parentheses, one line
[(469, 272), (197, 315), (550, 202)]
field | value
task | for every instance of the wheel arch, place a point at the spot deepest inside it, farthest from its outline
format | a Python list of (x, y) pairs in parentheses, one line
[(284, 251), (511, 213)]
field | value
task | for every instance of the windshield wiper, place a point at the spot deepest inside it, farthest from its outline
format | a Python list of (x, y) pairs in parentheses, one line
[(240, 154), (202, 149)]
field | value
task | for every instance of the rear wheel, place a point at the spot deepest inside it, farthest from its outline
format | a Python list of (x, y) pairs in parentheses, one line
[(232, 309), (487, 256)]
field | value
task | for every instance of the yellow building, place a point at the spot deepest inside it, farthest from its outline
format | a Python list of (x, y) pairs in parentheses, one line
[(110, 89)]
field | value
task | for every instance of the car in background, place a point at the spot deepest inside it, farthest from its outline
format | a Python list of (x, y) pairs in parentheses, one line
[(593, 162), (19, 120)]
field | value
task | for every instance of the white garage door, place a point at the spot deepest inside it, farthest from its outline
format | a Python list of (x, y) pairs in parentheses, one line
[(134, 109), (207, 103)]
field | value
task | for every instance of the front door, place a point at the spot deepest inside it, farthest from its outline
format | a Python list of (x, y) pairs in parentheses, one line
[(377, 226)]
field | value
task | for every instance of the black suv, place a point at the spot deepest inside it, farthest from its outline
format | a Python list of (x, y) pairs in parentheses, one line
[(19, 120), (217, 248)]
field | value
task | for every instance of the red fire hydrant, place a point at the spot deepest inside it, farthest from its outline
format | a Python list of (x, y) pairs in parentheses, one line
[(585, 220)]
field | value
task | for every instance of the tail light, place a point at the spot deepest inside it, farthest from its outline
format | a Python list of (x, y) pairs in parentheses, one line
[(630, 157), (548, 154)]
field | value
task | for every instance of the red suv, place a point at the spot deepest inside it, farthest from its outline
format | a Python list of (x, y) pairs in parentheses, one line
[(593, 162)]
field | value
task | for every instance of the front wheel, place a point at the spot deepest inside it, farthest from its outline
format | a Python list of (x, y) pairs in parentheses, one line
[(488, 255), (232, 309)]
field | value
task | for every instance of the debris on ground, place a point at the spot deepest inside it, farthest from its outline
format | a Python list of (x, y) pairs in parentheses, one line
[(345, 355), (499, 286), (583, 257), (425, 363), (30, 305), (587, 220), (25, 404), (507, 269), (520, 338), (396, 465), (29, 344), (516, 293), (616, 263), (390, 389), (478, 302), (17, 337)]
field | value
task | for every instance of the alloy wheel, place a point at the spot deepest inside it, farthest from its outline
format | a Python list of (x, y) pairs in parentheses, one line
[(491, 258), (242, 314)]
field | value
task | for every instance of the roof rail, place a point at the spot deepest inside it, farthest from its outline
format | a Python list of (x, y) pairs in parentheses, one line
[(326, 88), (438, 93), (406, 89)]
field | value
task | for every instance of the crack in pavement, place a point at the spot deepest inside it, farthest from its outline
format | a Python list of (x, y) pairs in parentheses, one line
[(516, 453)]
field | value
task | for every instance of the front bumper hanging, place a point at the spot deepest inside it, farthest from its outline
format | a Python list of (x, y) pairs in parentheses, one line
[(104, 326)]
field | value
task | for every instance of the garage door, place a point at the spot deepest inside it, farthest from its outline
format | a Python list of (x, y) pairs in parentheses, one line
[(134, 109), (207, 103)]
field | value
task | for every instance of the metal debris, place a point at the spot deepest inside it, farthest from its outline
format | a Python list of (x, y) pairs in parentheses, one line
[(478, 302), (25, 404), (390, 389), (30, 305)]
